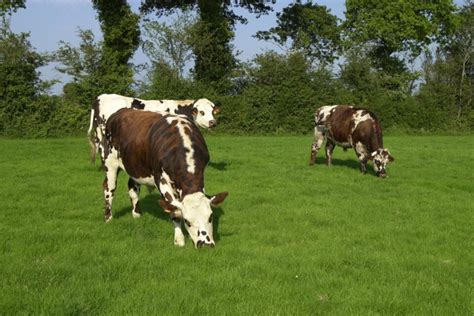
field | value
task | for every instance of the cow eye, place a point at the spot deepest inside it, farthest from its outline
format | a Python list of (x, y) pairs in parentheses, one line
[(187, 223), (210, 219)]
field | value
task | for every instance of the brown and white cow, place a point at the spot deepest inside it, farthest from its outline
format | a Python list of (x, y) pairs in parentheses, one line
[(167, 152), (202, 112), (348, 127)]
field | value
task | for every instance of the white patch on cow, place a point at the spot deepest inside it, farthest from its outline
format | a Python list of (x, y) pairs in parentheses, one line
[(148, 181), (134, 198), (359, 118), (361, 150), (186, 140), (325, 111), (178, 234)]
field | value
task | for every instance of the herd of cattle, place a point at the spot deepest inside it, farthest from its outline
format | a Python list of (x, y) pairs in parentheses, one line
[(158, 144)]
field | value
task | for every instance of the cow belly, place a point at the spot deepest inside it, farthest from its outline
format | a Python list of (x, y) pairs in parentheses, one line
[(344, 144), (149, 181)]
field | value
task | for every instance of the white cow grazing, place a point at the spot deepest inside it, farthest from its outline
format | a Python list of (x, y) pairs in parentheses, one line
[(201, 111)]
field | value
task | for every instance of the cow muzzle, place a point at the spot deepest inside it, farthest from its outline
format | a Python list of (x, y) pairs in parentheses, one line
[(382, 174), (212, 123), (203, 243)]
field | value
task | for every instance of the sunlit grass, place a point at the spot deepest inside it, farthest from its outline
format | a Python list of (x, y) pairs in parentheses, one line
[(291, 239)]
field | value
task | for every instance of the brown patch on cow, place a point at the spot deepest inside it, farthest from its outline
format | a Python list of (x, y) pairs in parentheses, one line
[(219, 198), (166, 206), (163, 181), (168, 197)]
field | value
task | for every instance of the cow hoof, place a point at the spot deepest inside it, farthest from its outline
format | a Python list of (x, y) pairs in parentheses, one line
[(136, 215), (108, 219), (179, 242)]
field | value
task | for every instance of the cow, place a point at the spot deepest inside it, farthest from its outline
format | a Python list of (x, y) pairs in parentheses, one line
[(168, 152), (348, 126), (201, 110)]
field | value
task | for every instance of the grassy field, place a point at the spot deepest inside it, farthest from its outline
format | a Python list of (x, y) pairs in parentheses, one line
[(291, 239)]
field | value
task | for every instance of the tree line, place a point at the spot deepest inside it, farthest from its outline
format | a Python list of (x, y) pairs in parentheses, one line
[(410, 61)]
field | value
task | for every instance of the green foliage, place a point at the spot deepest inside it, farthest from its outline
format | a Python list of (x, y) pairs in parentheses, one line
[(7, 7), (278, 94), (210, 40), (389, 27), (311, 28), (120, 27), (83, 64), (20, 84)]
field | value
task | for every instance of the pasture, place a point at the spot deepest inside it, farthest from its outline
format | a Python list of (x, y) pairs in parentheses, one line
[(290, 239)]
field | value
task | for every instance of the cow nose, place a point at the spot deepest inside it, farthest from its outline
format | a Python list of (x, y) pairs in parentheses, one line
[(202, 243), (212, 123), (382, 174)]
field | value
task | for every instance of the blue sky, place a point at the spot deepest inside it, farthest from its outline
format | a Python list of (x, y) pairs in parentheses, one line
[(49, 21)]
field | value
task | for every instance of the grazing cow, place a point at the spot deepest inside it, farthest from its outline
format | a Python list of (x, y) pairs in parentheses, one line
[(348, 127), (202, 111), (167, 152)]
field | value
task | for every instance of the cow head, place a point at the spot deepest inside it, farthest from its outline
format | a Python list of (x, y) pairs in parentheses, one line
[(381, 157), (197, 215), (203, 113)]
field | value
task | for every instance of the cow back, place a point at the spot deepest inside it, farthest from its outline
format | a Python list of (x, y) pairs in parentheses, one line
[(181, 151)]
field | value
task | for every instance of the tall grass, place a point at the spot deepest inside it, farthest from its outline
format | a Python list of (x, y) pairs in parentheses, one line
[(291, 239)]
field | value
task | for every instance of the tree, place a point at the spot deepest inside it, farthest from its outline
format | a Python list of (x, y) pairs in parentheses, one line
[(449, 75), (311, 28), (169, 43), (389, 28), (10, 6), (121, 32), (83, 65), (20, 83), (460, 52), (214, 60)]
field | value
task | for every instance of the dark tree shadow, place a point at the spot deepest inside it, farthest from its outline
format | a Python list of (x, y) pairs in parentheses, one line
[(221, 165)]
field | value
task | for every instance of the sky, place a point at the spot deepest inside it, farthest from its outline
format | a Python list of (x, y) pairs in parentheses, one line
[(50, 21)]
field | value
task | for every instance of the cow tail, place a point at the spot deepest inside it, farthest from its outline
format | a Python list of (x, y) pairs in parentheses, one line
[(91, 136)]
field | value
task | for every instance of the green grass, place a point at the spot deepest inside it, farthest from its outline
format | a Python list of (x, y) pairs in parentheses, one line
[(291, 239)]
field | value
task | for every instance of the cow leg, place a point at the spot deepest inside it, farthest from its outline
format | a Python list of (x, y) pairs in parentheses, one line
[(110, 184), (134, 192), (329, 149), (168, 193), (317, 142), (362, 155), (176, 217)]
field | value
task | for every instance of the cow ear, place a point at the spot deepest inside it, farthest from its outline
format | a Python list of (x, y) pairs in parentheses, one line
[(218, 198), (390, 158), (167, 206), (216, 110), (372, 155)]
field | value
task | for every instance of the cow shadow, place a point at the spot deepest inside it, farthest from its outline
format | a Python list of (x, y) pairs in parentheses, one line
[(346, 163), (221, 165), (149, 205)]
